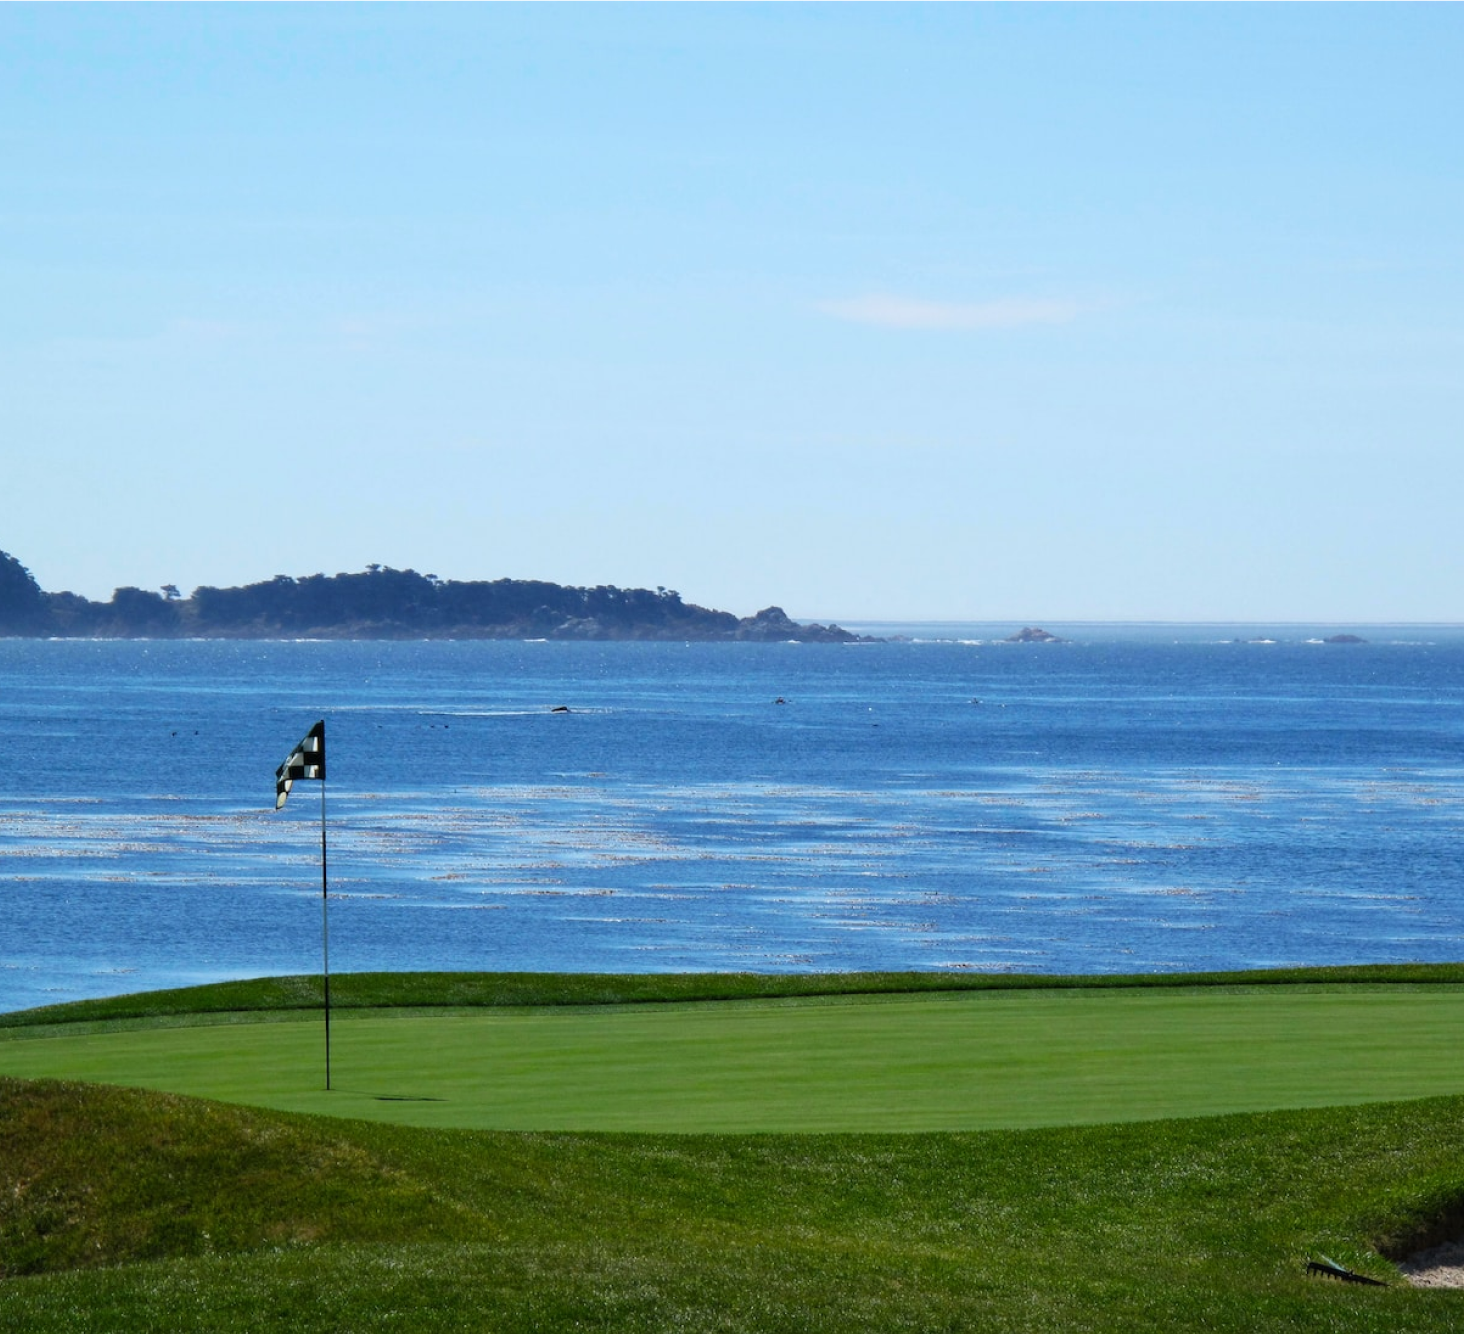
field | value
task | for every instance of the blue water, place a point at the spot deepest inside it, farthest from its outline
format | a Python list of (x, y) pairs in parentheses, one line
[(1144, 798)]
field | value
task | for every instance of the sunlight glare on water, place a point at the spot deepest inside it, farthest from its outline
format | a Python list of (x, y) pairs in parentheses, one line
[(1136, 800)]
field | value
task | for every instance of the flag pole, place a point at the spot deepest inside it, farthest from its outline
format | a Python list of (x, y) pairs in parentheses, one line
[(307, 760), (325, 932)]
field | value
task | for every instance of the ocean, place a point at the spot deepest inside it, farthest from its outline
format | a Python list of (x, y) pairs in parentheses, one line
[(1143, 798)]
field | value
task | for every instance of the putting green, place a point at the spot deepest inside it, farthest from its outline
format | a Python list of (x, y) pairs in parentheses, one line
[(892, 1063)]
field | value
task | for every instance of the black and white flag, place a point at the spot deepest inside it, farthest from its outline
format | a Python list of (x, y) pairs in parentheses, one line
[(307, 760)]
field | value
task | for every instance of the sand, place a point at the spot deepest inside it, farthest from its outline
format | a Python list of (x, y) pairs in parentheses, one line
[(1437, 1267)]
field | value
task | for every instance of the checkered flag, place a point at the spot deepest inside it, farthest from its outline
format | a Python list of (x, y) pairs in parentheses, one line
[(307, 760)]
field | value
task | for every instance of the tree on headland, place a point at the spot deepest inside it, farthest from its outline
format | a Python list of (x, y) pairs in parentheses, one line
[(23, 606), (139, 611)]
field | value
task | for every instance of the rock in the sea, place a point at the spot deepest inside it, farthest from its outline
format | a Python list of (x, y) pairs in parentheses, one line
[(1031, 634), (1344, 639), (773, 623)]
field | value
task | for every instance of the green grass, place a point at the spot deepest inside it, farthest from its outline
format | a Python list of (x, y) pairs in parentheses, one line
[(416, 990), (123, 1210), (127, 1209), (867, 1063)]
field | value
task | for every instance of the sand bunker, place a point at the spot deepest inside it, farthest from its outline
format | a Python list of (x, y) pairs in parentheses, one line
[(1437, 1267)]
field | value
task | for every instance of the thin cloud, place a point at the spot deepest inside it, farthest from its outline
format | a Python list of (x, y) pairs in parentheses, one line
[(897, 312)]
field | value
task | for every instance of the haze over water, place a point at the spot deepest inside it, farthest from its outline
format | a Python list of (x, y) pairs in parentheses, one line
[(1144, 798)]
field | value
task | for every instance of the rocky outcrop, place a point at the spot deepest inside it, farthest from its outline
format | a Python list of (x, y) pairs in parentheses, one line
[(773, 623), (1031, 634)]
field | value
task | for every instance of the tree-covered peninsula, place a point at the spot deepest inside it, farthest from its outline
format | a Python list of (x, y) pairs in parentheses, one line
[(382, 603)]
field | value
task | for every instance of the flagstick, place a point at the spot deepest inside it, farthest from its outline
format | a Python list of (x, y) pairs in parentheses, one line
[(325, 932)]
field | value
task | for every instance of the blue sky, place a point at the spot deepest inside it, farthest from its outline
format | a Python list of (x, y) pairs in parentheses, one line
[(950, 312)]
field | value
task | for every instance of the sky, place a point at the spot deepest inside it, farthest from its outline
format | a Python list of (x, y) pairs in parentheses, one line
[(951, 312)]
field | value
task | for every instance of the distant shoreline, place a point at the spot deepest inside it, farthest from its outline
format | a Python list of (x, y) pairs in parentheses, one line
[(380, 603)]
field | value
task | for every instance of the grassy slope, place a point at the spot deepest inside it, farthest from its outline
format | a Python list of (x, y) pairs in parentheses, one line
[(411, 990), (261, 1220)]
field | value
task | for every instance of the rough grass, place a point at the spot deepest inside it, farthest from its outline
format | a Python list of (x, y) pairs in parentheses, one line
[(136, 1211), (91, 1175)]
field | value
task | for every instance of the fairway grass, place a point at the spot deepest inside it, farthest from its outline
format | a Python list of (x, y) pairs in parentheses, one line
[(891, 1063)]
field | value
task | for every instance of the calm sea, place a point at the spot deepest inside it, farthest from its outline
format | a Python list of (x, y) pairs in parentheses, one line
[(1143, 798)]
